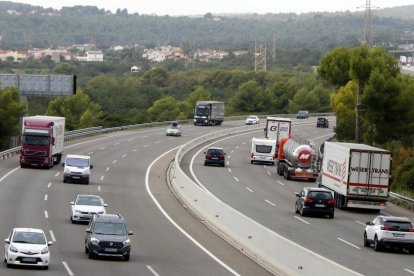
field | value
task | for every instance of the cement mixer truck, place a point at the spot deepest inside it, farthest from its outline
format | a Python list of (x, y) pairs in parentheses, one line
[(296, 159)]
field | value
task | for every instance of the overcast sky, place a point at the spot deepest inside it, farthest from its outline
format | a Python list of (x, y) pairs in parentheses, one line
[(198, 7)]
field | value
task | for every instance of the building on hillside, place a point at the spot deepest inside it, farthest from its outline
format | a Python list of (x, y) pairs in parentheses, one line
[(91, 56), (18, 56)]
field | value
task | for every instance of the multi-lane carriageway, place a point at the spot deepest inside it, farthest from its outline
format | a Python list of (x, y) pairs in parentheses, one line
[(129, 173)]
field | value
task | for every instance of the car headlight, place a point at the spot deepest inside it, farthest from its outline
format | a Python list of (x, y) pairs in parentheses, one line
[(77, 211), (101, 212), (12, 248), (94, 241), (127, 242), (45, 250)]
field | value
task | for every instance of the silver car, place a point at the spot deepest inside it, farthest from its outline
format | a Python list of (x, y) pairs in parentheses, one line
[(174, 130), (85, 206)]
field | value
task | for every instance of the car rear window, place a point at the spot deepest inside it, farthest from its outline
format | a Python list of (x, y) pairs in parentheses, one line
[(320, 195), (215, 151), (263, 149), (399, 225)]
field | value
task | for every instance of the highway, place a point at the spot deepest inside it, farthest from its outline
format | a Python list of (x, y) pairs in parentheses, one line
[(259, 193), (129, 173)]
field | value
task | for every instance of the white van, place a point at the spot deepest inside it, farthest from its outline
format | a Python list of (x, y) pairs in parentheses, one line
[(263, 150), (77, 168)]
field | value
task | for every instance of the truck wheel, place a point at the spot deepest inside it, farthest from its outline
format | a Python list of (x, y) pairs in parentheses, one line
[(286, 174)]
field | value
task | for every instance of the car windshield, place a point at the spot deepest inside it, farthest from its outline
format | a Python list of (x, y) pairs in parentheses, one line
[(92, 201), (29, 237), (263, 149), (174, 127), (109, 228), (77, 162), (252, 117), (321, 119)]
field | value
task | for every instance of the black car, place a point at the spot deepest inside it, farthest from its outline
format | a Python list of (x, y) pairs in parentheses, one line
[(107, 235), (312, 200), (322, 122), (214, 156)]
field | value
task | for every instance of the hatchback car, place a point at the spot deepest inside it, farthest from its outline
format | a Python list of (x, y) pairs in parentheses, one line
[(389, 232), (174, 130), (107, 235), (303, 114), (322, 122), (214, 156), (27, 247), (312, 200), (252, 120), (85, 206)]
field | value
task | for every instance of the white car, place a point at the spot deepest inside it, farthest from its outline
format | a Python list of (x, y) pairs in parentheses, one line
[(389, 232), (174, 130), (252, 120), (27, 247), (85, 206)]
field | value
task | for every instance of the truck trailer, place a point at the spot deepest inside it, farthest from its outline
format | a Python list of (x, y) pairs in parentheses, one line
[(276, 129), (297, 159), (208, 113), (358, 174), (42, 141)]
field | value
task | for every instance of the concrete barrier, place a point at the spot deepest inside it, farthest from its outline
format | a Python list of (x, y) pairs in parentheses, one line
[(277, 254)]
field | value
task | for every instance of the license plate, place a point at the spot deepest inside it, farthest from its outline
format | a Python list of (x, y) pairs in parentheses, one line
[(28, 260), (76, 177), (398, 235), (214, 158), (111, 250), (319, 205)]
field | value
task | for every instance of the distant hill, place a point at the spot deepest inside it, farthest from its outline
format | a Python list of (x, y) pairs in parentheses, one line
[(23, 26)]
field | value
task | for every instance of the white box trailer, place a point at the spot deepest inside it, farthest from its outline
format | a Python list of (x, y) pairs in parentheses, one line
[(277, 128), (263, 151), (358, 174)]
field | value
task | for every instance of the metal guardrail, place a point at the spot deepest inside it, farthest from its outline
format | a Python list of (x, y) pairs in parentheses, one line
[(402, 198)]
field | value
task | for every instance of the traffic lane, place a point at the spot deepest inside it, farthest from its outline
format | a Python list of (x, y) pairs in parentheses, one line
[(324, 245)]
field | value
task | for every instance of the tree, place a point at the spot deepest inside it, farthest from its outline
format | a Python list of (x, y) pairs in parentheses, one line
[(78, 110), (166, 109), (335, 66), (10, 112), (250, 98), (199, 94)]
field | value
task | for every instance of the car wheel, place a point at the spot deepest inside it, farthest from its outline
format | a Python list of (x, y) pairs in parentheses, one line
[(87, 181), (71, 220), (86, 250), (46, 267), (9, 265), (377, 246), (296, 208), (91, 255), (126, 257), (366, 242), (205, 163), (331, 216), (64, 180)]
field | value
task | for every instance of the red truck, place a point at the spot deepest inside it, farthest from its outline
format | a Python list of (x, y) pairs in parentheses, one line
[(42, 141)]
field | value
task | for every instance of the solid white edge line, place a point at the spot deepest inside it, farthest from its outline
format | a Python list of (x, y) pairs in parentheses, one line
[(409, 271), (65, 264), (348, 243), (173, 222), (302, 220), (9, 173), (152, 270)]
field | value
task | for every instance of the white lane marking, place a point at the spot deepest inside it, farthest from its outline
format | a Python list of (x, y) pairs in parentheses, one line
[(229, 157), (348, 243), (269, 173), (57, 174), (46, 214), (107, 169), (144, 136), (409, 271), (9, 173), (52, 235), (232, 151), (102, 177), (124, 155), (360, 222), (117, 143), (89, 153), (45, 197), (49, 184), (244, 143), (173, 222), (157, 142), (280, 183), (132, 139), (271, 203), (134, 150), (99, 188), (313, 139), (302, 220), (237, 147), (228, 162), (264, 166), (229, 170), (235, 178), (152, 271), (250, 190), (113, 162), (67, 268), (146, 146), (103, 148)]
